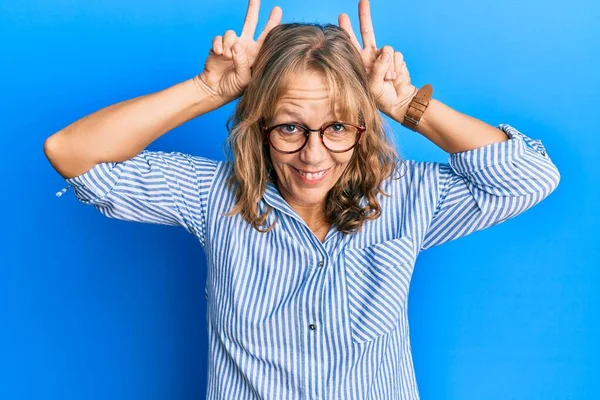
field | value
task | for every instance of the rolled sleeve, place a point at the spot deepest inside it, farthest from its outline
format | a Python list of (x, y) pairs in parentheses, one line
[(496, 153), (516, 167), (152, 187), (482, 187), (96, 183)]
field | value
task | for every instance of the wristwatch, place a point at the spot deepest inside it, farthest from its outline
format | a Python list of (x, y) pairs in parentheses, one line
[(417, 107)]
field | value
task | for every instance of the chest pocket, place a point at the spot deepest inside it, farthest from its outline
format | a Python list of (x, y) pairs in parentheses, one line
[(377, 281)]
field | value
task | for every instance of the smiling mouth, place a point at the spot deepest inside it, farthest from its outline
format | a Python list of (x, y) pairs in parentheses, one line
[(312, 175)]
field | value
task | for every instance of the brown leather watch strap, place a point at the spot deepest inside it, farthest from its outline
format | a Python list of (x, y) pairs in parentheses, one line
[(417, 107)]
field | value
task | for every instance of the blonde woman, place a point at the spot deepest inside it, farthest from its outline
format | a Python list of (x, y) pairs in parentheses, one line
[(312, 229)]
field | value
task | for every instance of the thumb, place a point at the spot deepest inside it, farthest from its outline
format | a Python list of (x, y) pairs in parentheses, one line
[(381, 65), (240, 61)]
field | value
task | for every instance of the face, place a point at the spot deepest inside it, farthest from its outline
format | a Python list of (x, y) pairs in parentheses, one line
[(305, 177)]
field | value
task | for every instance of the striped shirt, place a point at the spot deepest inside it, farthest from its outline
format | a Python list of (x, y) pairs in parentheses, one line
[(290, 317)]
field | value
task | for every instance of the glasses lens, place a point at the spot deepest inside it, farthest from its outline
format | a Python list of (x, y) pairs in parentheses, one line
[(339, 136), (288, 137)]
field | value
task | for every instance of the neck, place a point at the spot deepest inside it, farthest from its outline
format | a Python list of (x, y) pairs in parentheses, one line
[(313, 216)]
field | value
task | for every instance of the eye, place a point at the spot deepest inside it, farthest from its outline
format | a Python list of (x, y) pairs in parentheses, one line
[(336, 128), (290, 128)]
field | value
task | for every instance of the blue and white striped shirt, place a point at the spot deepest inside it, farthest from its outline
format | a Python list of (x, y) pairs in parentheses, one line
[(290, 317)]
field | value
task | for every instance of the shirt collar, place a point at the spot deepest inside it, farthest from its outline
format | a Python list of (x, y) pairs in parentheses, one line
[(273, 198)]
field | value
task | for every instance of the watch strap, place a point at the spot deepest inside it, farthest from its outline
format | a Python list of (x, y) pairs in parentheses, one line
[(417, 107)]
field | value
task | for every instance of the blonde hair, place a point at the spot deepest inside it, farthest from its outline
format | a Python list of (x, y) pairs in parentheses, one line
[(328, 50)]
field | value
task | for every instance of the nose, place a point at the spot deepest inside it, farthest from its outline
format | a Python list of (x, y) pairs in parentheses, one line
[(314, 152)]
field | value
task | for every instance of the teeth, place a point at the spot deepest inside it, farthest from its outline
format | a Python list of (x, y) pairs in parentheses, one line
[(310, 176)]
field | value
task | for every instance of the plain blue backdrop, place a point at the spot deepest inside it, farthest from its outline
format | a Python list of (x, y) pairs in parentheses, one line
[(96, 308)]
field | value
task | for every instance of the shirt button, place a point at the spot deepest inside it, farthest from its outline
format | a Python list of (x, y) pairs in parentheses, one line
[(321, 263), (312, 327)]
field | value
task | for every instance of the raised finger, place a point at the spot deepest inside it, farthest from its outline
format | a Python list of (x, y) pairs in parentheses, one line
[(366, 24), (273, 21), (229, 38), (345, 24), (217, 45), (251, 19)]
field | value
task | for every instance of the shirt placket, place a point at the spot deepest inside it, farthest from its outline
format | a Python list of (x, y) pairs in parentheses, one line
[(312, 322), (315, 325)]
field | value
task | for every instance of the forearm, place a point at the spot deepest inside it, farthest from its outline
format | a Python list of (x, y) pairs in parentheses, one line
[(455, 132), (122, 130)]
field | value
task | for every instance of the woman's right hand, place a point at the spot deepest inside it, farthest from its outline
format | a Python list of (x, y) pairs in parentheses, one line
[(227, 68)]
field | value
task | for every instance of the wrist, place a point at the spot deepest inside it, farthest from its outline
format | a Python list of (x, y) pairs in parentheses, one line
[(206, 94), (401, 108), (202, 98)]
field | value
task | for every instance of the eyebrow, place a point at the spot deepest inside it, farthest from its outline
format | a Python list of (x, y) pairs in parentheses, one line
[(289, 112), (294, 114)]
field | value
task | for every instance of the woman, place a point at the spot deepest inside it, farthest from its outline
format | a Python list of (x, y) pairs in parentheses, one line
[(311, 232)]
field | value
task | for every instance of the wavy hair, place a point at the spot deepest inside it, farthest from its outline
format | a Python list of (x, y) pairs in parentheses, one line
[(327, 49)]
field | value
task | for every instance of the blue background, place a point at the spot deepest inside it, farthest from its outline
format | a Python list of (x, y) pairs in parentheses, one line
[(94, 308)]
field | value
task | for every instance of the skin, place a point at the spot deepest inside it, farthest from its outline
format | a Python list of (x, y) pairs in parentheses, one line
[(389, 78), (228, 70), (307, 101)]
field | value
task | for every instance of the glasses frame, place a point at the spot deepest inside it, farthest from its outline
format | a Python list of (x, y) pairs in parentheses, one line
[(268, 129)]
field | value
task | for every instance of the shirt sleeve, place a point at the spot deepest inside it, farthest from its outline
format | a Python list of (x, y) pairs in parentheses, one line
[(483, 187), (152, 187)]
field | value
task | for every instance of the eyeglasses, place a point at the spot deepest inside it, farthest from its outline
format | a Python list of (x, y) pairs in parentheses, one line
[(337, 137)]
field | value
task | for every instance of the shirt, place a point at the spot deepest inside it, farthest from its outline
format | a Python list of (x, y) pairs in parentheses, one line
[(290, 317)]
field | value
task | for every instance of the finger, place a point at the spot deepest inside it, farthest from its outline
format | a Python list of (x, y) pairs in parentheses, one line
[(389, 74), (251, 19), (274, 20), (217, 45), (366, 25), (229, 38), (241, 63), (400, 66), (392, 68), (345, 24), (382, 64)]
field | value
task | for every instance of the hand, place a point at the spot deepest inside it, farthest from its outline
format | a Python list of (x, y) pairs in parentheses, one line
[(389, 80), (227, 68)]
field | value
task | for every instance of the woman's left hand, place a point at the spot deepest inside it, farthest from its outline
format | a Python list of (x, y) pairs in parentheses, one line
[(389, 79)]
